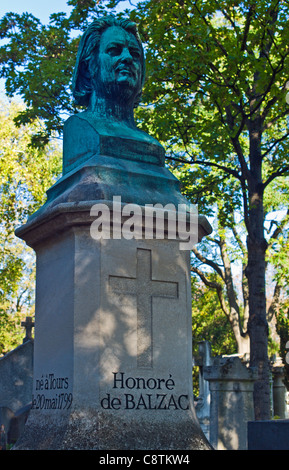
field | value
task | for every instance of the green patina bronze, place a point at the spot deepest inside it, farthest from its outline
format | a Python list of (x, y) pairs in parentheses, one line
[(104, 152), (108, 80)]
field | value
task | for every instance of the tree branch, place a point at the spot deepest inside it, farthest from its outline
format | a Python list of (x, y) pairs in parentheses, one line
[(279, 228), (213, 285), (208, 262), (273, 307), (239, 241), (230, 171), (228, 278), (208, 24), (274, 175), (276, 118), (241, 158), (247, 27), (233, 24)]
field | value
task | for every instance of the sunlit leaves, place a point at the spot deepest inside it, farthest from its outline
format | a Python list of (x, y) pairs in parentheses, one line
[(25, 175), (226, 60)]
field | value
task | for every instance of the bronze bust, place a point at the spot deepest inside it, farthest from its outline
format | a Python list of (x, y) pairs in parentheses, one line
[(108, 80)]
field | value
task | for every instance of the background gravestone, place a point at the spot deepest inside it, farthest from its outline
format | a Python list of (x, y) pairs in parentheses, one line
[(16, 376), (112, 357), (231, 385)]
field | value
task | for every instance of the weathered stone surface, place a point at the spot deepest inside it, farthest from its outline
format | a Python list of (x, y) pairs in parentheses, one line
[(231, 385), (116, 353), (102, 177), (87, 430), (16, 371)]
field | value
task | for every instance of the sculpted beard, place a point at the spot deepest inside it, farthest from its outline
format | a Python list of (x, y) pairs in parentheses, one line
[(121, 90)]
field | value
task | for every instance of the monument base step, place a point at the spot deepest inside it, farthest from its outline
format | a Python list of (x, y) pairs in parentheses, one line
[(88, 430)]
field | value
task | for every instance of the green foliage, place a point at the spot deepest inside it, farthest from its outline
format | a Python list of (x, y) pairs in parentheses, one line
[(276, 204), (25, 174), (33, 59), (209, 322), (37, 63), (201, 91)]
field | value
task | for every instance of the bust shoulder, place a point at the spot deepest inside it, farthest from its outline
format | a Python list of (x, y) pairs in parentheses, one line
[(86, 135), (111, 127)]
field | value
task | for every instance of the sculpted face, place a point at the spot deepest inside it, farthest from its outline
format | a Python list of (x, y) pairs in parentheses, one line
[(118, 66)]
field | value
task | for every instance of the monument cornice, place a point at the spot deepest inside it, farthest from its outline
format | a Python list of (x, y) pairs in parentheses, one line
[(57, 219)]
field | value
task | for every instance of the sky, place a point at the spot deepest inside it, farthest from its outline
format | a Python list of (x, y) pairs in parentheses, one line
[(42, 9)]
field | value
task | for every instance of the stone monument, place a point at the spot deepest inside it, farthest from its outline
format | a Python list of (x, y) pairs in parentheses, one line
[(112, 357), (231, 384)]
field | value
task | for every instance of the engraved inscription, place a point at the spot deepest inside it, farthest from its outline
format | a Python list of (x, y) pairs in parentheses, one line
[(144, 394), (52, 393)]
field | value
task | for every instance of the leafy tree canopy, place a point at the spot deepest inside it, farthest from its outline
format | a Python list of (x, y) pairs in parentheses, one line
[(25, 174), (37, 61)]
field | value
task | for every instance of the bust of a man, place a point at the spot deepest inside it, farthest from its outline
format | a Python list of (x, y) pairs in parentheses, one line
[(110, 69), (108, 81)]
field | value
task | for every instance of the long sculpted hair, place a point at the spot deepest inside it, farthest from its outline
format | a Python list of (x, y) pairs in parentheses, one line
[(89, 46)]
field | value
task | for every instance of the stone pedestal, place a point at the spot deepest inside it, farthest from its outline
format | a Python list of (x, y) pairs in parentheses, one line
[(231, 385), (203, 360), (279, 393), (112, 359)]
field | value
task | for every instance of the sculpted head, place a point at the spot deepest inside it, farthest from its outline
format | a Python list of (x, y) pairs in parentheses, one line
[(110, 63)]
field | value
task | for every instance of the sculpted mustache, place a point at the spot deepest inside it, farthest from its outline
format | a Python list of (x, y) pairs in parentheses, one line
[(128, 67)]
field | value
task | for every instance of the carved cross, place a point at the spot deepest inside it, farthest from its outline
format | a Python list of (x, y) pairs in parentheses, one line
[(144, 288), (28, 324)]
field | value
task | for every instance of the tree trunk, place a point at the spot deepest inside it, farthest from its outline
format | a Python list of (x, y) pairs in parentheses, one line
[(255, 272), (258, 327), (243, 344)]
